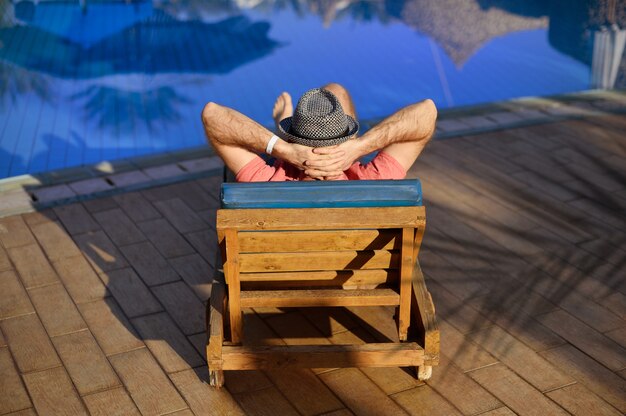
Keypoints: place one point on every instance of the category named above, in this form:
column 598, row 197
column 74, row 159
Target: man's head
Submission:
column 318, row 121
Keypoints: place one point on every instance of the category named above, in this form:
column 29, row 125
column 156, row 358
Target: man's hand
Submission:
column 302, row 156
column 297, row 155
column 332, row 161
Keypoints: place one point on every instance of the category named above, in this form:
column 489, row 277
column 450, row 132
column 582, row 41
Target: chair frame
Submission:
column 249, row 259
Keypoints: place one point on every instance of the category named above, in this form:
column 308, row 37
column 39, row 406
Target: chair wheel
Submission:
column 424, row 372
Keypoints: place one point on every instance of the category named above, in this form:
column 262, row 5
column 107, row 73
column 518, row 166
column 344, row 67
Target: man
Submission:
column 319, row 141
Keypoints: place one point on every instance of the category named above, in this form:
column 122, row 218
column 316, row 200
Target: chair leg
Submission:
column 216, row 335
column 406, row 271
column 231, row 269
column 424, row 372
column 216, row 378
column 424, row 320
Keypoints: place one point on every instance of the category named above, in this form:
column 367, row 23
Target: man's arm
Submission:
column 237, row 139
column 402, row 135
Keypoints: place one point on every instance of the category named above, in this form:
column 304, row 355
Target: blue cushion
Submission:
column 322, row 194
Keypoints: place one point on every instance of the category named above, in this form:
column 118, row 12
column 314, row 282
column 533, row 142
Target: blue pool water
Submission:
column 79, row 85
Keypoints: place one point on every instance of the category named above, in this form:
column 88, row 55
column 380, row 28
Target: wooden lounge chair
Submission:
column 311, row 244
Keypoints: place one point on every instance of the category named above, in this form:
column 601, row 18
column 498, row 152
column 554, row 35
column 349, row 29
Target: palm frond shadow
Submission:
column 561, row 254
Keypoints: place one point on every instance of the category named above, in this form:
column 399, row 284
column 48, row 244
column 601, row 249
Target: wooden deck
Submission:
column 102, row 302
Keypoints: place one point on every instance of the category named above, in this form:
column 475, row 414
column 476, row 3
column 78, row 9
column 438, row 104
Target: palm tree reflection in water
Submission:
column 16, row 82
column 114, row 108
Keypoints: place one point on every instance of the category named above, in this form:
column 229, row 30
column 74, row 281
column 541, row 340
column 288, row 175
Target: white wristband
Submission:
column 270, row 144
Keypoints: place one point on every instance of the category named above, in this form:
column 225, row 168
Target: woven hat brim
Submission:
column 285, row 125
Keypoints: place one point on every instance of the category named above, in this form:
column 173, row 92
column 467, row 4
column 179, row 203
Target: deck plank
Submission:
column 593, row 343
column 14, row 300
column 579, row 401
column 32, row 266
column 114, row 402
column 130, row 292
column 590, row 373
column 5, row 263
column 85, row 362
column 53, row 394
column 54, row 240
column 180, row 215
column 183, row 306
column 31, row 348
column 167, row 343
column 520, row 358
column 149, row 263
column 56, row 310
column 100, row 251
column 200, row 396
column 165, row 238
column 266, row 402
column 76, row 219
column 370, row 400
column 424, row 401
column 110, row 326
column 514, row 392
column 14, row 232
column 149, row 387
column 136, row 206
column 196, row 272
column 80, row 280
column 459, row 389
column 119, row 227
column 13, row 396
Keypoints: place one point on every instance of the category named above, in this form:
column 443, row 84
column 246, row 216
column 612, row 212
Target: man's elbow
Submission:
column 430, row 109
column 210, row 112
column 428, row 116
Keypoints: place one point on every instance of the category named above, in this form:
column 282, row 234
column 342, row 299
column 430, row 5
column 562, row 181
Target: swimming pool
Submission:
column 107, row 80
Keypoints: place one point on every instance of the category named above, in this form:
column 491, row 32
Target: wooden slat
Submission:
column 298, row 241
column 338, row 260
column 371, row 276
column 347, row 279
column 328, row 218
column 302, row 298
column 311, row 356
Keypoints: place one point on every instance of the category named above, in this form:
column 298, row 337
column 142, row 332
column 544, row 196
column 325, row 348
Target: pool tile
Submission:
column 163, row 172
column 53, row 193
column 203, row 164
column 90, row 186
column 129, row 178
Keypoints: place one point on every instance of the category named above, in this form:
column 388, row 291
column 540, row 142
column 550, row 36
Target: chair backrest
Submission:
column 334, row 234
